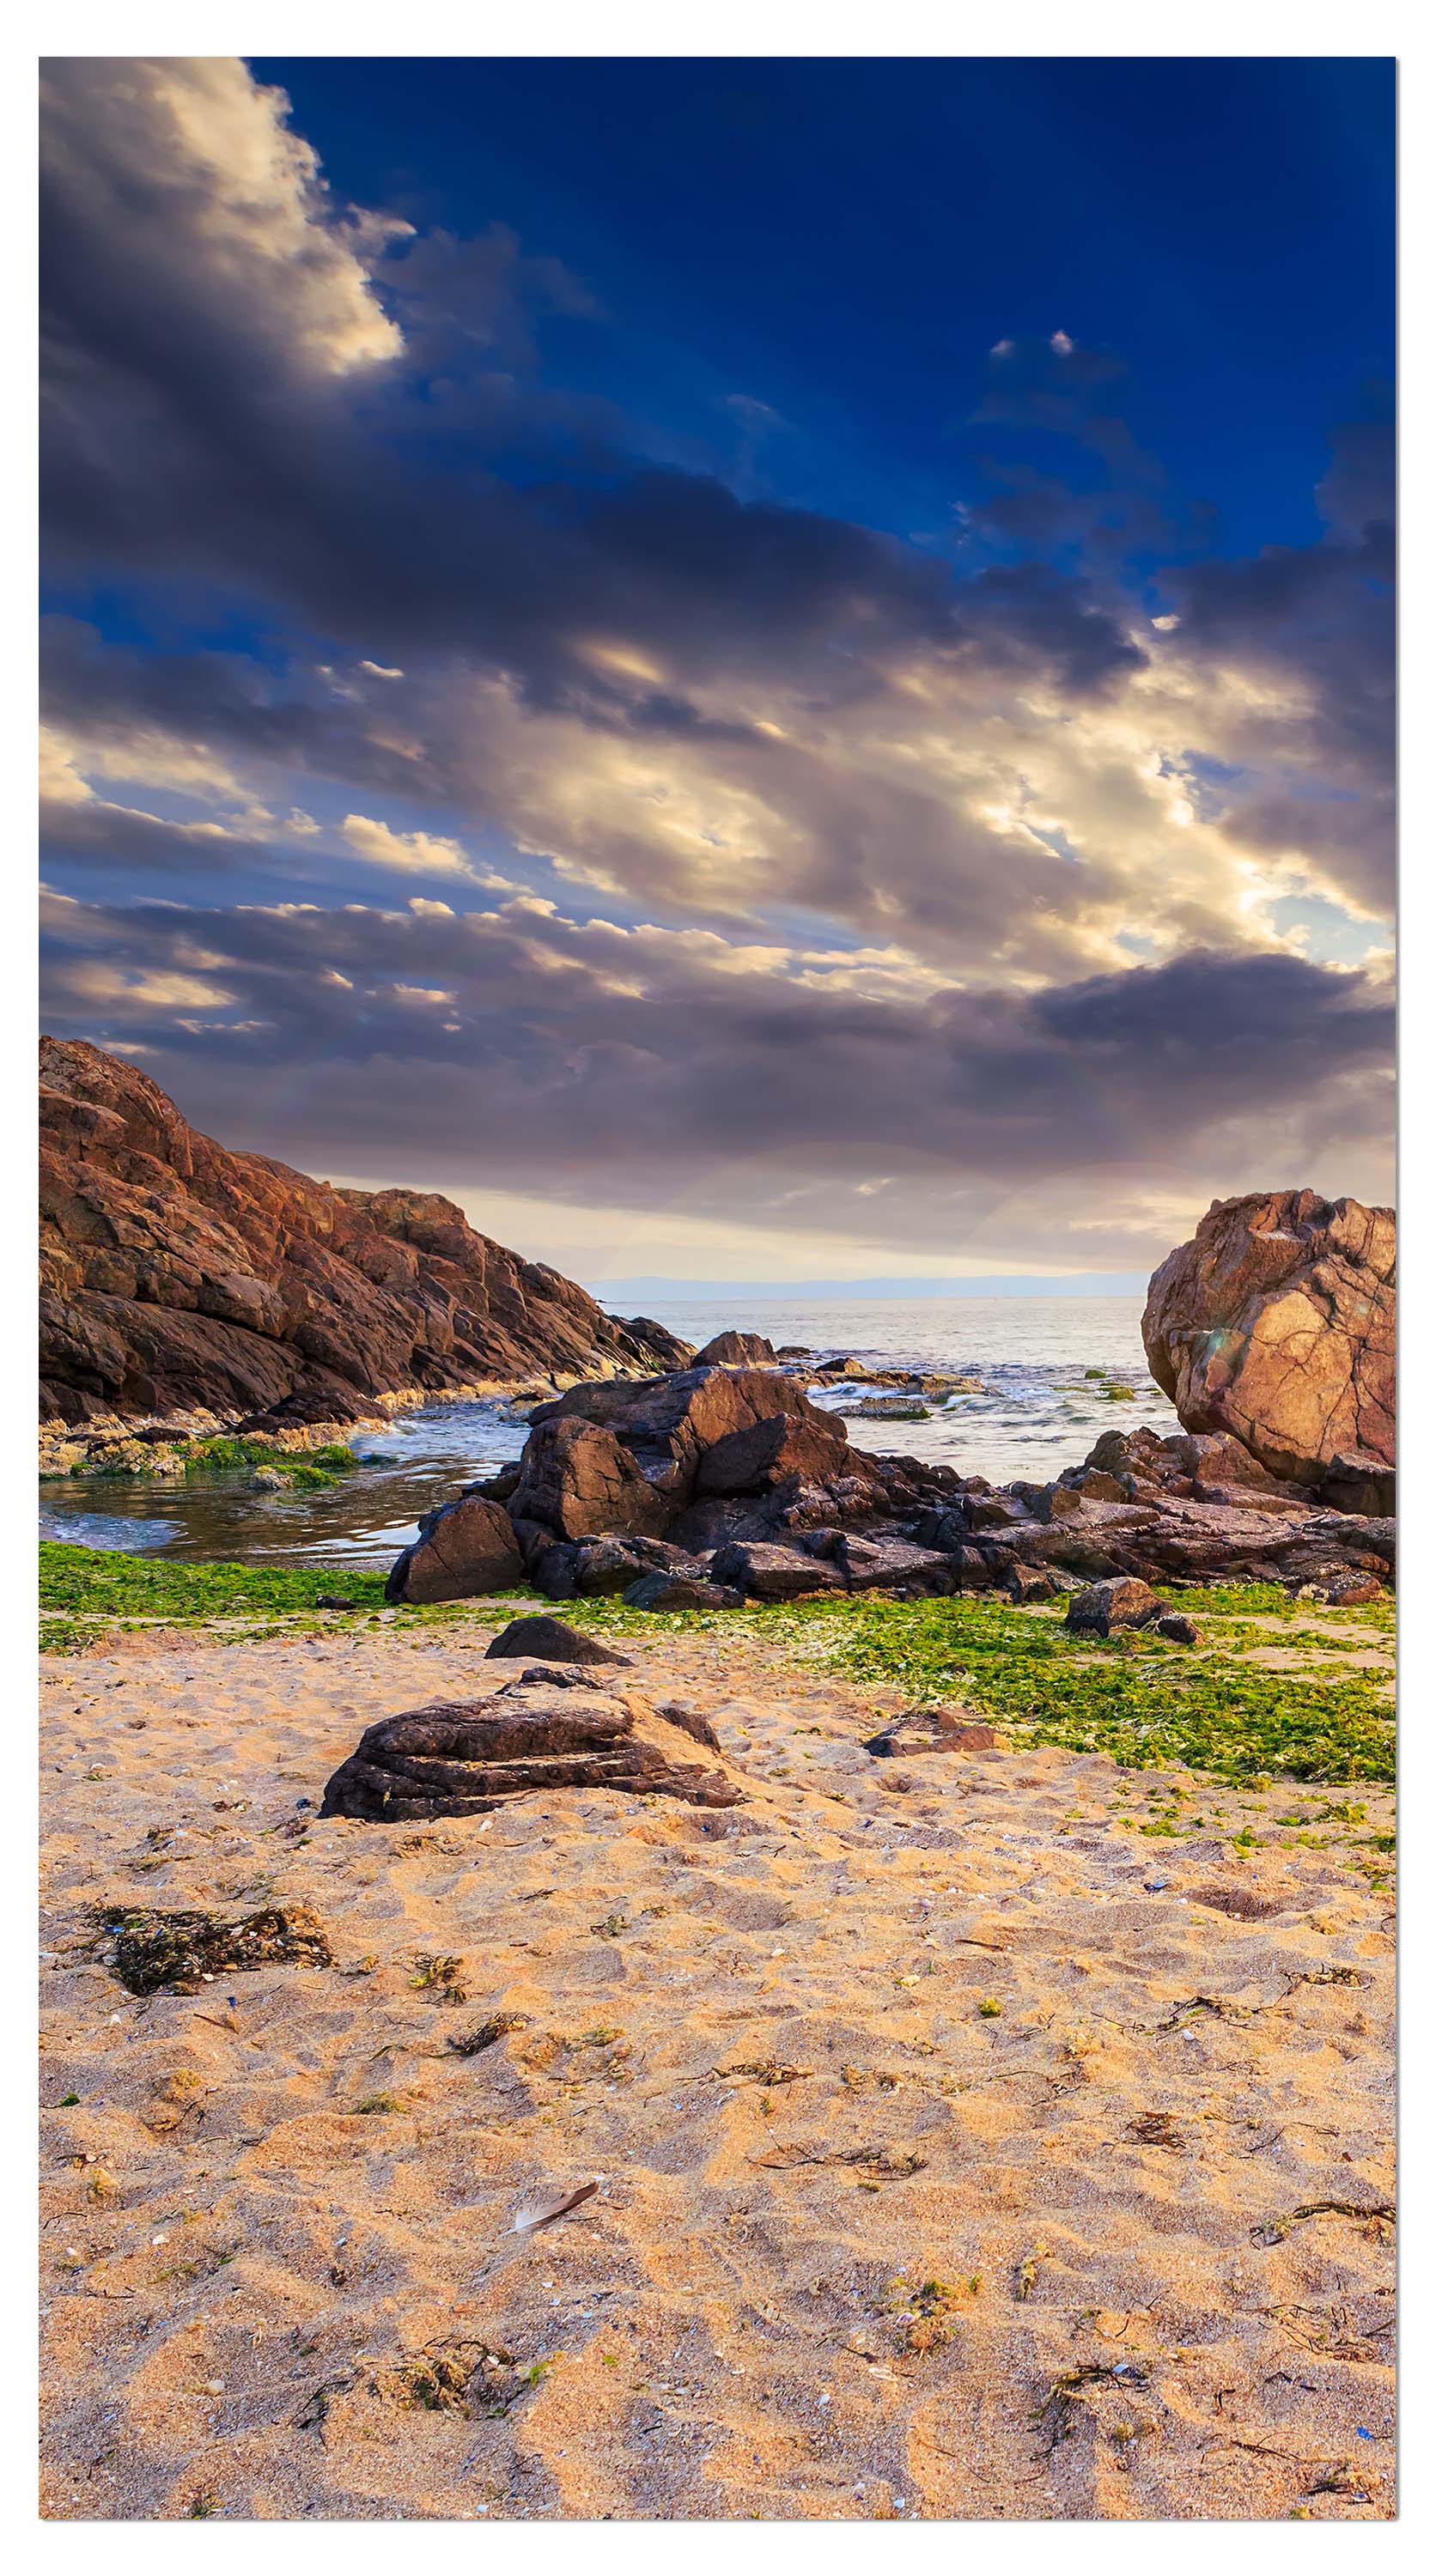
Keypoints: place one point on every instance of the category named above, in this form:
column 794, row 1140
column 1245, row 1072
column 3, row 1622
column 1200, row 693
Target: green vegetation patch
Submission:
column 1131, row 1696
column 103, row 1583
column 226, row 1455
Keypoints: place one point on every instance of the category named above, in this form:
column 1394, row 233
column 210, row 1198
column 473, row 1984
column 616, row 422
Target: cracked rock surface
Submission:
column 1277, row 1323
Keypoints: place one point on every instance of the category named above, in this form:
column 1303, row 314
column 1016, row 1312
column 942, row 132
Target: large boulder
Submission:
column 737, row 1350
column 629, row 1460
column 578, row 1480
column 1277, row 1323
column 467, row 1548
column 773, row 1573
column 461, row 1758
column 1122, row 1602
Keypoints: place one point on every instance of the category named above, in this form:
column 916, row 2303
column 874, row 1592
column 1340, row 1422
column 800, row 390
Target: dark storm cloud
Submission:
column 515, row 1043
column 104, row 835
column 194, row 431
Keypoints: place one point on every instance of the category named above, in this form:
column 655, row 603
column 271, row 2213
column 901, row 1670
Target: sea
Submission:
column 1038, row 1411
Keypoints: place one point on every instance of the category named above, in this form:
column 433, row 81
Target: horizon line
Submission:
column 1075, row 1283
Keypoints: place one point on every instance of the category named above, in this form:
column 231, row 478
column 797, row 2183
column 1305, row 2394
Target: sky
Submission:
column 760, row 670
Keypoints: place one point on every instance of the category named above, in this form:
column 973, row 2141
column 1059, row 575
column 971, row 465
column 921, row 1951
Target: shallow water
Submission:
column 1037, row 1414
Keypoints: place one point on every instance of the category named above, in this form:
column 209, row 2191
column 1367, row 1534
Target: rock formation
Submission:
column 551, row 1641
column 549, row 1729
column 179, row 1277
column 1277, row 1324
column 736, row 1350
column 717, row 1485
column 464, row 1548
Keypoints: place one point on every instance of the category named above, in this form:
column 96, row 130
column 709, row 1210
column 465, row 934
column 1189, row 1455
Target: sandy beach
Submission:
column 962, row 2150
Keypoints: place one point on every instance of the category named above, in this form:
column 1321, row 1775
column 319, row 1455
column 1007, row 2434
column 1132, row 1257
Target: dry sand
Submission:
column 860, row 2248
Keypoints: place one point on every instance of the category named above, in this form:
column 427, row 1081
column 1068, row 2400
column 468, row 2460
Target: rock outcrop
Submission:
column 463, row 1549
column 1277, row 1324
column 178, row 1277
column 719, row 1485
column 564, row 1730
column 736, row 1350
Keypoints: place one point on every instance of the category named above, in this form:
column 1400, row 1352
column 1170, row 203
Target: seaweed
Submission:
column 180, row 1951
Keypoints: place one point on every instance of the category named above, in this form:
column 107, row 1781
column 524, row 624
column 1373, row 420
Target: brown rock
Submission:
column 1029, row 1583
column 1123, row 1601
column 930, row 1730
column 762, row 1454
column 467, row 1548
column 681, row 1592
column 552, row 1641
column 1179, row 1629
column 1357, row 1483
column 1277, row 1323
column 177, row 1275
column 581, row 1482
column 773, row 1573
column 876, row 1562
column 736, row 1350
column 459, row 1758
column 630, row 1459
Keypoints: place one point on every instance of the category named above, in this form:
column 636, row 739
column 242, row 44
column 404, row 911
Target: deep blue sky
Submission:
column 759, row 669
column 847, row 239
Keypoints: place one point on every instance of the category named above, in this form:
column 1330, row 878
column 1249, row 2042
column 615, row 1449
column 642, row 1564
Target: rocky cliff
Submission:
column 178, row 1276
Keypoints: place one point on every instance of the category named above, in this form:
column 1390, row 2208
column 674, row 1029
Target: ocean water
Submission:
column 1036, row 1414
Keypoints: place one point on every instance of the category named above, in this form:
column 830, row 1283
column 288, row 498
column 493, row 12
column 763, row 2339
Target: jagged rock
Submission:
column 177, row 1276
column 466, row 1548
column 930, row 1730
column 579, row 1481
column 681, row 1592
column 1352, row 1593
column 736, row 1350
column 765, row 1453
column 606, row 1566
column 668, row 1350
column 1029, row 1583
column 996, row 1511
column 1182, row 1631
column 654, row 1459
column 1277, row 1323
column 1123, row 1601
column 773, row 1573
column 552, row 1641
column 1360, row 1484
column 876, row 1562
column 459, row 1758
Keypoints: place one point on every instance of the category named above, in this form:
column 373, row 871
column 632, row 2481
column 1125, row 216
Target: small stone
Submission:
column 1119, row 1601
column 552, row 1641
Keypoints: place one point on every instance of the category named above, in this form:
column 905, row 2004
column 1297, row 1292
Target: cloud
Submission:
column 418, row 853
column 784, row 1082
column 220, row 225
column 997, row 871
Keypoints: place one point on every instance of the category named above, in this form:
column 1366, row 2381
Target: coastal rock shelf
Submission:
column 178, row 1278
column 716, row 1484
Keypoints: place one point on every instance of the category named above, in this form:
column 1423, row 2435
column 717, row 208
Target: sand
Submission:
column 862, row 2247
